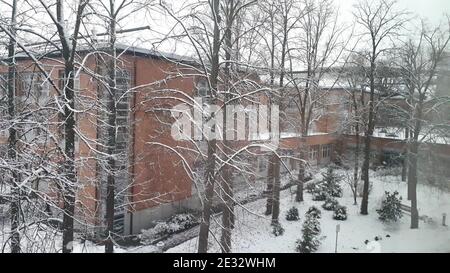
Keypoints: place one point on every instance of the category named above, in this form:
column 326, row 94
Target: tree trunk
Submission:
column 368, row 134
column 356, row 167
column 211, row 158
column 12, row 139
column 227, row 186
column 69, row 149
column 301, row 175
column 207, row 204
column 111, row 138
column 405, row 158
column 412, row 181
column 269, row 189
column 276, row 192
column 365, row 176
column 227, row 215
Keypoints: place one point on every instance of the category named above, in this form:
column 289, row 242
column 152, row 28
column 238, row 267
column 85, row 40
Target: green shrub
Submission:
column 330, row 203
column 340, row 213
column 390, row 210
column 292, row 214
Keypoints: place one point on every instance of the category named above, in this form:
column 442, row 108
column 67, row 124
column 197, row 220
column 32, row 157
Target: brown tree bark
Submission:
column 111, row 133
column 212, row 144
column 12, row 139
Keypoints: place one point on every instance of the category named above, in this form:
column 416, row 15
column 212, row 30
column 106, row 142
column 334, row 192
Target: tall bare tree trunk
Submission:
column 368, row 135
column 111, row 131
column 301, row 173
column 276, row 160
column 270, row 162
column 227, row 186
column 269, row 189
column 68, row 51
column 405, row 159
column 12, row 149
column 413, row 157
column 211, row 157
column 276, row 192
column 356, row 166
column 412, row 181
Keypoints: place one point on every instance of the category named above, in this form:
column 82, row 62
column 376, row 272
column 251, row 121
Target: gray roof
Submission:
column 41, row 51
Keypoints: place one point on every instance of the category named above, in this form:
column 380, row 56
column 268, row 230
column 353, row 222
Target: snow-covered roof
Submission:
column 41, row 51
column 399, row 134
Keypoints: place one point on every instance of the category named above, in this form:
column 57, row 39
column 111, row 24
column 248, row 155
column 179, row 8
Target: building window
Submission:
column 62, row 81
column 326, row 151
column 34, row 85
column 201, row 88
column 314, row 152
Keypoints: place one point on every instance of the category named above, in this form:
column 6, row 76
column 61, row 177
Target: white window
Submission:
column 202, row 88
column 62, row 81
column 314, row 152
column 34, row 85
column 326, row 151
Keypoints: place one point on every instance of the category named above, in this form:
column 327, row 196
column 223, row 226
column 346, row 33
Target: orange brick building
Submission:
column 155, row 179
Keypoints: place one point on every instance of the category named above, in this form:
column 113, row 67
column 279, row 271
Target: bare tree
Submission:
column 320, row 46
column 355, row 75
column 12, row 140
column 381, row 22
column 279, row 23
column 419, row 64
column 69, row 41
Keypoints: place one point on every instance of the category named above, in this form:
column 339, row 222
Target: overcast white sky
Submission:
column 431, row 9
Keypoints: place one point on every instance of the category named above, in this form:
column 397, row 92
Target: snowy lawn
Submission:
column 253, row 232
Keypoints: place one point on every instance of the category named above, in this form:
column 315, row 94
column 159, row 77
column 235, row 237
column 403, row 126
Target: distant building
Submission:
column 152, row 181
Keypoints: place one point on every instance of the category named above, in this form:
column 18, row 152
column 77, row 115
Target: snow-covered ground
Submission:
column 253, row 231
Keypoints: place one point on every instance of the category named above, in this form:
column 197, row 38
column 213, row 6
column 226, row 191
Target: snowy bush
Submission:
column 330, row 185
column 390, row 207
column 292, row 214
column 310, row 241
column 330, row 203
column 319, row 196
column 319, row 191
column 313, row 211
column 308, row 176
column 310, row 187
column 340, row 213
column 277, row 229
column 175, row 224
column 331, row 182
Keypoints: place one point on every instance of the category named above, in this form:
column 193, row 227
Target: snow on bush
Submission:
column 310, row 241
column 330, row 185
column 340, row 213
column 175, row 224
column 314, row 212
column 330, row 203
column 310, row 187
column 320, row 192
column 332, row 182
column 390, row 210
column 277, row 229
column 292, row 214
